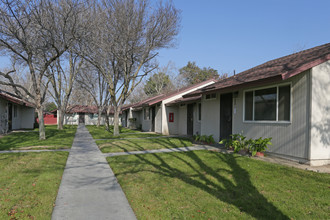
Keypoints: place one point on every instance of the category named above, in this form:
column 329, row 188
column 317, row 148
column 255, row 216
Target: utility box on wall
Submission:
column 171, row 117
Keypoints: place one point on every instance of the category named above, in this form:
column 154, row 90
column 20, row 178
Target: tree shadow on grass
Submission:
column 236, row 190
column 149, row 144
column 27, row 139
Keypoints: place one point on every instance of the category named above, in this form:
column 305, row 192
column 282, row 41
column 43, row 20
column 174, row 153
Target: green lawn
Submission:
column 55, row 139
column 211, row 185
column 29, row 183
column 109, row 146
column 102, row 133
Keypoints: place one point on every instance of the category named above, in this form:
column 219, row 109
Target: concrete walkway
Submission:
column 169, row 150
column 89, row 189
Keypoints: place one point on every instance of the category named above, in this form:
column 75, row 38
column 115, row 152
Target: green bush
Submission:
column 259, row 145
column 239, row 142
column 204, row 138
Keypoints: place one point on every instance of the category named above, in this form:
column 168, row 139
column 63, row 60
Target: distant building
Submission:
column 87, row 115
column 15, row 113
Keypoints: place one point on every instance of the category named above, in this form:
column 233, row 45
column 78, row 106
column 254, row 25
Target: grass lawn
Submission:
column 29, row 184
column 110, row 146
column 102, row 133
column 211, row 185
column 55, row 139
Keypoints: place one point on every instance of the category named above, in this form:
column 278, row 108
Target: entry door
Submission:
column 190, row 119
column 153, row 115
column 226, row 111
column 10, row 116
column 82, row 118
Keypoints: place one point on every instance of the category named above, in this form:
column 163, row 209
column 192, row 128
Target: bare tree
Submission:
column 35, row 34
column 93, row 82
column 137, row 95
column 62, row 81
column 125, row 41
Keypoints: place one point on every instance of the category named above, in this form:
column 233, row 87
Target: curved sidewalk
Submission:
column 89, row 189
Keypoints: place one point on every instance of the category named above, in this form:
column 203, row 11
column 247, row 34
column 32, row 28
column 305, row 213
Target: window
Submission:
column 146, row 113
column 270, row 104
column 199, row 111
column 15, row 111
column 210, row 96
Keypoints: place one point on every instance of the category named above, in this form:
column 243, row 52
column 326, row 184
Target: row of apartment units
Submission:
column 287, row 99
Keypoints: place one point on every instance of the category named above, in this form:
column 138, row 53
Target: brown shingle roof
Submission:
column 146, row 101
column 14, row 99
column 182, row 90
column 277, row 69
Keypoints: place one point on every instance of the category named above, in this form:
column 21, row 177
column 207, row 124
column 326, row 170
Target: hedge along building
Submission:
column 15, row 113
column 156, row 115
column 287, row 99
column 88, row 115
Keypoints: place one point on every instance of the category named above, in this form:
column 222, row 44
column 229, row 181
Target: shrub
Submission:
column 210, row 139
column 259, row 145
column 204, row 138
column 239, row 142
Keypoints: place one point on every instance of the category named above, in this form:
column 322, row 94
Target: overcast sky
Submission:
column 238, row 35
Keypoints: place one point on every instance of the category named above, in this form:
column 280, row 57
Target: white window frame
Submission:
column 277, row 103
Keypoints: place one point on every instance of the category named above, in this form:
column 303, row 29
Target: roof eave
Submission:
column 305, row 67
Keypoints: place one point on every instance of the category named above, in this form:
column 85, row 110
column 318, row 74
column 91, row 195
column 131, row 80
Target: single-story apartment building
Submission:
column 15, row 113
column 88, row 115
column 155, row 113
column 287, row 99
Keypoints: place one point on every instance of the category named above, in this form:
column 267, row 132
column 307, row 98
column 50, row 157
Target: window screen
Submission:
column 265, row 104
column 284, row 101
column 248, row 106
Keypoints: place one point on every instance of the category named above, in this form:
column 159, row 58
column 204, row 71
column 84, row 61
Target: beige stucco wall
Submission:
column 26, row 117
column 288, row 138
column 172, row 127
column 182, row 119
column 320, row 114
column 210, row 124
column 158, row 119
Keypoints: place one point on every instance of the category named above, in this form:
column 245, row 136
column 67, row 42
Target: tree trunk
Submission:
column 60, row 119
column 42, row 133
column 116, row 122
column 99, row 116
column 107, row 123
